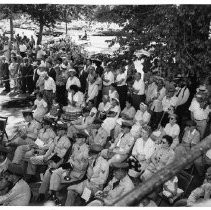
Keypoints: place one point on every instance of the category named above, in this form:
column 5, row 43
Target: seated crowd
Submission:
column 96, row 134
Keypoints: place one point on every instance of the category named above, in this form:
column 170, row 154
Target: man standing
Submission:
column 20, row 193
column 49, row 90
column 5, row 74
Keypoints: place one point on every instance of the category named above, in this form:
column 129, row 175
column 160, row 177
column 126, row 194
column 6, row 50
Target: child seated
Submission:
column 171, row 190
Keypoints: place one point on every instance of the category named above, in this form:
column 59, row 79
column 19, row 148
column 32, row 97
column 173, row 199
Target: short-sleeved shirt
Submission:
column 120, row 77
column 169, row 102
column 198, row 112
column 172, row 130
column 73, row 81
column 129, row 112
column 108, row 76
column 140, row 86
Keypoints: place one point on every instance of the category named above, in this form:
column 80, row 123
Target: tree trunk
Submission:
column 39, row 39
column 66, row 26
column 11, row 26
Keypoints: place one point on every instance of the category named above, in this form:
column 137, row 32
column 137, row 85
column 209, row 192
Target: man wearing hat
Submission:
column 20, row 193
column 84, row 74
column 82, row 124
column 44, row 141
column 41, row 74
column 120, row 149
column 199, row 113
column 28, row 133
column 61, row 80
column 169, row 103
column 40, row 53
column 26, row 71
column 51, row 70
column 108, row 124
column 97, row 175
column 5, row 74
column 49, row 90
column 116, row 188
column 182, row 95
column 73, row 170
column 138, row 90
column 4, row 161
column 59, row 147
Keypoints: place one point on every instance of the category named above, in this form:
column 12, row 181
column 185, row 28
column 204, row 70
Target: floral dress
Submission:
column 40, row 110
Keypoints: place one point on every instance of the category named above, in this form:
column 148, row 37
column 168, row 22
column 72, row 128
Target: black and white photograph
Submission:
column 105, row 104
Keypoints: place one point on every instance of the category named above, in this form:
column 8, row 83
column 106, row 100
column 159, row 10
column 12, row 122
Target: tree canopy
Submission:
column 179, row 35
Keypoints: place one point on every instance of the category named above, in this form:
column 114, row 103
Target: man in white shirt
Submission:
column 199, row 114
column 121, row 86
column 182, row 95
column 120, row 149
column 23, row 49
column 49, row 90
column 72, row 80
column 92, row 90
column 169, row 103
column 108, row 79
column 40, row 53
column 138, row 90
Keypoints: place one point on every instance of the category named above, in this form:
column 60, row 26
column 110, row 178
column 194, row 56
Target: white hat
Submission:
column 143, row 104
column 202, row 88
column 63, row 66
column 42, row 65
column 115, row 99
column 71, row 70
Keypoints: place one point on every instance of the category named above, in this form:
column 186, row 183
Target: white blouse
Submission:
column 140, row 86
column 146, row 149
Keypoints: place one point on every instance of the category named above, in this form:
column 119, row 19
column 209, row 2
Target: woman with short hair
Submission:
column 162, row 157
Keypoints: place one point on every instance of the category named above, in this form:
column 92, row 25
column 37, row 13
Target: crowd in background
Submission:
column 98, row 130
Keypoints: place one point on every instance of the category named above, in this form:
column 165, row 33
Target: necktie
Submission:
column 94, row 163
column 116, row 184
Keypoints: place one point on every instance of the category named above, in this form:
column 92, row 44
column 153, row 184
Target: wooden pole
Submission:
column 134, row 197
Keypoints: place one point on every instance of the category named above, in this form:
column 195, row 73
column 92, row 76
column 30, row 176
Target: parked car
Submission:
column 8, row 32
column 50, row 33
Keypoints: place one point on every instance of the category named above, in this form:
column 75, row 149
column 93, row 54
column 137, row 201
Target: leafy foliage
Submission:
column 70, row 12
column 169, row 31
column 43, row 14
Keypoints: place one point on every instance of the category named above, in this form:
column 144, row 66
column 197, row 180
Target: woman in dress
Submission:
column 40, row 107
column 162, row 157
column 13, row 68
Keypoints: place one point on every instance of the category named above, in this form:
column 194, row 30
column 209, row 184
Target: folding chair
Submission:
column 3, row 123
column 184, row 181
